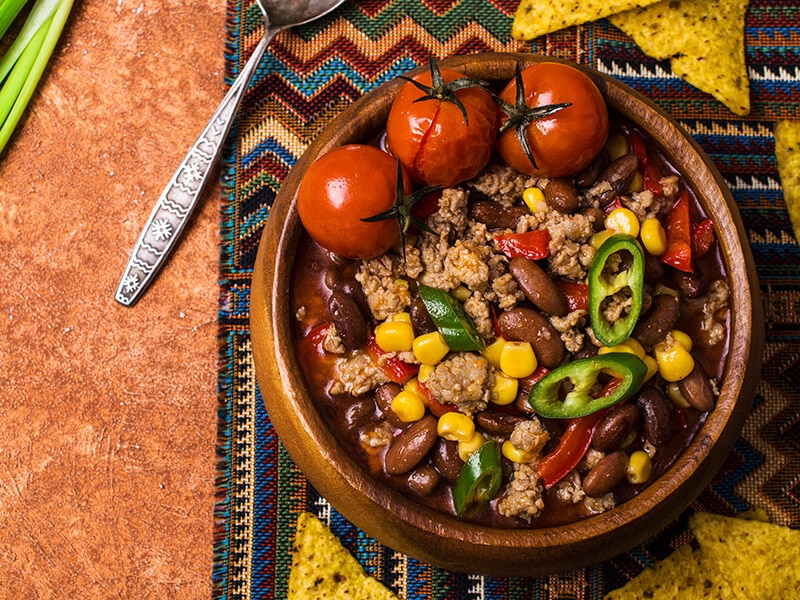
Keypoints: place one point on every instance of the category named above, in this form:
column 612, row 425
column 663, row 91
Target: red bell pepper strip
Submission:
column 679, row 236
column 570, row 450
column 650, row 172
column 615, row 203
column 533, row 245
column 437, row 408
column 576, row 293
column 702, row 237
column 314, row 339
column 395, row 369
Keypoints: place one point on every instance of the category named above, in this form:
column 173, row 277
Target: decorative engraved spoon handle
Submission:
column 177, row 201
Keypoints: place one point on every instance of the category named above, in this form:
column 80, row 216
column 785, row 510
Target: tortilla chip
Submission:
column 787, row 151
column 759, row 560
column 704, row 40
column 323, row 568
column 538, row 17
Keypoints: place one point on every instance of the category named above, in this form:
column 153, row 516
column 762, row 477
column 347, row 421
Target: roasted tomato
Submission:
column 563, row 116
column 345, row 186
column 442, row 127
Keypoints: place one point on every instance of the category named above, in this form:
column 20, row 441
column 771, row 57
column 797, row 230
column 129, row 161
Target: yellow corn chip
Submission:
column 760, row 561
column 539, row 17
column 323, row 568
column 787, row 151
column 704, row 40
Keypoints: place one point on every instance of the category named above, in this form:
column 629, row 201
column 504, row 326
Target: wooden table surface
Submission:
column 107, row 442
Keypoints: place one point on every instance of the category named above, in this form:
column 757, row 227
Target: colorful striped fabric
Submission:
column 306, row 78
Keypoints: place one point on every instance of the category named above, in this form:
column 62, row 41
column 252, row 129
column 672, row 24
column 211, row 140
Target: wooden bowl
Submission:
column 405, row 525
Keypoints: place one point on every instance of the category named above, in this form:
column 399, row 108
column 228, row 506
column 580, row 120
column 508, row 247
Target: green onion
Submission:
column 23, row 64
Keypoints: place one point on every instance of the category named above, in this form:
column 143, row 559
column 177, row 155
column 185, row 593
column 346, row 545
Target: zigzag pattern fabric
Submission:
column 306, row 78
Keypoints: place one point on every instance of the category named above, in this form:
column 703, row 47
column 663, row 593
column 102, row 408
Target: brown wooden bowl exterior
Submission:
column 447, row 542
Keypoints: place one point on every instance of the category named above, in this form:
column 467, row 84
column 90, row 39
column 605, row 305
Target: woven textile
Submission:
column 306, row 78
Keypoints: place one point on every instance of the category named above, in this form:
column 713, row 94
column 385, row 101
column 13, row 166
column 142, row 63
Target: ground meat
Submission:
column 506, row 291
column 464, row 379
column 570, row 327
column 451, row 219
column 670, row 183
column 356, row 375
column 570, row 489
column 386, row 291
column 478, row 308
column 502, row 184
column 380, row 435
column 616, row 306
column 530, row 436
column 466, row 263
column 643, row 204
column 601, row 504
column 589, row 460
column 523, row 497
column 570, row 251
column 713, row 303
column 333, row 342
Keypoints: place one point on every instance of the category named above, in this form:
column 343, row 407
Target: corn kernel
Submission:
column 674, row 361
column 412, row 385
column 630, row 346
column 395, row 336
column 653, row 236
column 640, row 467
column 652, row 367
column 533, row 198
column 430, row 348
column 622, row 220
column 599, row 238
column 402, row 317
column 424, row 372
column 408, row 406
column 682, row 338
column 676, row 396
column 616, row 146
column 514, row 454
column 456, row 427
column 492, row 352
column 505, row 389
column 465, row 449
column 401, row 282
column 517, row 359
column 461, row 293
column 637, row 183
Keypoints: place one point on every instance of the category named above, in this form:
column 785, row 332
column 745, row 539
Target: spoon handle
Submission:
column 176, row 203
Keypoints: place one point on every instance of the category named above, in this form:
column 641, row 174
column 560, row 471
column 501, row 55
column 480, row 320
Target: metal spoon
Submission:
column 175, row 205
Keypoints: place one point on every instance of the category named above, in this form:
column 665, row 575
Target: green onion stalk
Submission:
column 23, row 64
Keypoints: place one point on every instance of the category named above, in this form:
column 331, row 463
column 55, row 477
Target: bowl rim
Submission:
column 685, row 479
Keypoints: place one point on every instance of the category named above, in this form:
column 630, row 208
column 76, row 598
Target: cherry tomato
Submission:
column 343, row 187
column 566, row 141
column 431, row 137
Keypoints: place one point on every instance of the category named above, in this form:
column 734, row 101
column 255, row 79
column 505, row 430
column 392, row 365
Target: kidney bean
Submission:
column 423, row 480
column 587, row 177
column 351, row 287
column 618, row 174
column 561, row 195
column 446, row 459
column 656, row 415
column 383, row 398
column 653, row 269
column 691, row 285
column 358, row 413
column 522, row 404
column 497, row 423
column 349, row 320
column 538, row 287
column 411, row 446
column 696, row 388
column 420, row 319
column 588, row 350
column 606, row 474
column 527, row 325
column 615, row 427
column 495, row 215
column 658, row 321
